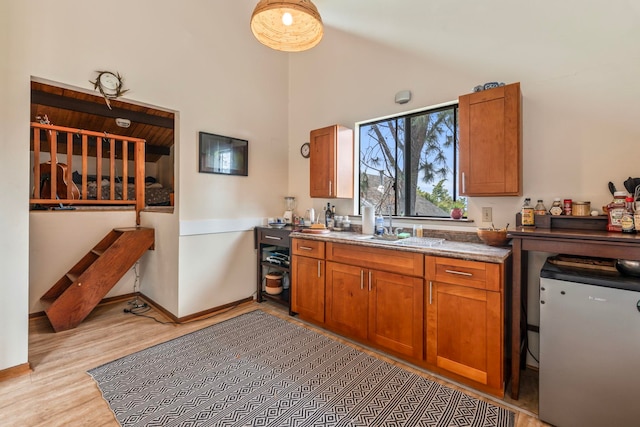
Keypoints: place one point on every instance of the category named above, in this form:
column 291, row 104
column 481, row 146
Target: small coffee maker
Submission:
column 290, row 205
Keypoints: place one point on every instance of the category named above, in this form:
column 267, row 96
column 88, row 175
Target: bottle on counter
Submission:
column 556, row 207
column 539, row 208
column 379, row 225
column 527, row 211
column 627, row 220
column 615, row 210
column 327, row 216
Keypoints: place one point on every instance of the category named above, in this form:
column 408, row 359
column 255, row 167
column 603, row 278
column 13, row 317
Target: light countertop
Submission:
column 426, row 245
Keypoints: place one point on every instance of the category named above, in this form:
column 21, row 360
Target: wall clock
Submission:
column 109, row 85
column 305, row 150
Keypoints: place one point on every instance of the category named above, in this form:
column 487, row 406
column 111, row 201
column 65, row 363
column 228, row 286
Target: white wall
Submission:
column 14, row 189
column 159, row 271
column 199, row 60
column 577, row 136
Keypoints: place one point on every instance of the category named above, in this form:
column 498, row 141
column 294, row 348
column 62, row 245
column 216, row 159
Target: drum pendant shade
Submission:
column 268, row 24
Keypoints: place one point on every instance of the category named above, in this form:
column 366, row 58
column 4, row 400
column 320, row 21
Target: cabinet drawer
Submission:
column 474, row 274
column 393, row 261
column 308, row 248
column 274, row 236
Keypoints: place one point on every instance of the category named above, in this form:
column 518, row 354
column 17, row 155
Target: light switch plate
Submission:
column 487, row 214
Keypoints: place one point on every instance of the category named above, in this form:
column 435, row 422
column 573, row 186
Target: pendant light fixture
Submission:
column 290, row 26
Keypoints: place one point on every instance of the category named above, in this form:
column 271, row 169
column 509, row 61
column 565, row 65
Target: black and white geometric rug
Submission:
column 259, row 370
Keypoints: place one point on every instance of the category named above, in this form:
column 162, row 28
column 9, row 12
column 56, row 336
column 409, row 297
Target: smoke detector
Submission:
column 123, row 123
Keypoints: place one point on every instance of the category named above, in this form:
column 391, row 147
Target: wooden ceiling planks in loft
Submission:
column 79, row 110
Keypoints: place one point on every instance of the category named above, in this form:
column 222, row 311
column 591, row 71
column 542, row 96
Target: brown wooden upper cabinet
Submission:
column 491, row 142
column 331, row 162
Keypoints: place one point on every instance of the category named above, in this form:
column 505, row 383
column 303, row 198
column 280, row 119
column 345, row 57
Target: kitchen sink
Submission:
column 422, row 242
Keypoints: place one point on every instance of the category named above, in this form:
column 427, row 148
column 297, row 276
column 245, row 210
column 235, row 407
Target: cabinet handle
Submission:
column 369, row 280
column 430, row 292
column 460, row 273
column 319, row 269
column 361, row 279
column 273, row 237
column 464, row 187
column 305, row 248
column 330, row 188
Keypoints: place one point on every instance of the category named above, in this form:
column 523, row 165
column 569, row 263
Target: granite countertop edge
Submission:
column 448, row 248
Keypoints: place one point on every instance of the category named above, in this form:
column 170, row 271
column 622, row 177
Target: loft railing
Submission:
column 55, row 186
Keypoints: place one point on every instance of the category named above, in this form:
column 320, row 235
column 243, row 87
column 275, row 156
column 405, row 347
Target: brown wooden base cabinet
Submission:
column 452, row 322
column 465, row 323
column 382, row 308
column 308, row 274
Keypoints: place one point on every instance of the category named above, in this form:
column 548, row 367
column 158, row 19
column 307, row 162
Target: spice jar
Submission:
column 568, row 204
column 556, row 208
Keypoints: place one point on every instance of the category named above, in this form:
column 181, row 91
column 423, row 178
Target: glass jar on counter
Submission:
column 539, row 209
column 527, row 213
column 556, row 207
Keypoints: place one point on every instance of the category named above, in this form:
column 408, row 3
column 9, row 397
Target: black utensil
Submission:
column 612, row 187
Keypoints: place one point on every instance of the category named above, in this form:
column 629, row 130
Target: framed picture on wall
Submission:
column 223, row 154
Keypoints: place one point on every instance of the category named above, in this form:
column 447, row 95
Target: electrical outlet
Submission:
column 486, row 214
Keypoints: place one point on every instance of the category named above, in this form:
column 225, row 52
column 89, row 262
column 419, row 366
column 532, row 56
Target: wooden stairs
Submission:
column 72, row 298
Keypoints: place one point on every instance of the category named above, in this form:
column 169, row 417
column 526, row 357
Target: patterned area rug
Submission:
column 260, row 370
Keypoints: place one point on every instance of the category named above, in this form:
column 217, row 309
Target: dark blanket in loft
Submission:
column 154, row 196
column 77, row 178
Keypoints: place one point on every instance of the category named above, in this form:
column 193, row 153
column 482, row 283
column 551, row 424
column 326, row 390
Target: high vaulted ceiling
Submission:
column 80, row 110
column 585, row 52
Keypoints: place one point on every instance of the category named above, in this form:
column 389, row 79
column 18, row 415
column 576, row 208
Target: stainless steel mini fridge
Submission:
column 589, row 348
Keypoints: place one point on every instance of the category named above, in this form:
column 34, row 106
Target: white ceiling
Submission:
column 562, row 46
column 550, row 38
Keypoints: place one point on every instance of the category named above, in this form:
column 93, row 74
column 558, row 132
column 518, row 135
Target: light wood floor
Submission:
column 59, row 392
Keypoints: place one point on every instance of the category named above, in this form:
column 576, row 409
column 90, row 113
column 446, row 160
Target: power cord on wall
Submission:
column 143, row 308
column 526, row 322
column 136, row 289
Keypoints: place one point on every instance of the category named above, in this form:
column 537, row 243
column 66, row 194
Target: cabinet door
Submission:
column 490, row 142
column 396, row 314
column 464, row 330
column 307, row 288
column 347, row 299
column 321, row 162
column 331, row 162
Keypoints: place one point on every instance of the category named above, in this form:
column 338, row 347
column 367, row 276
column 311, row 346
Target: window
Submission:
column 408, row 163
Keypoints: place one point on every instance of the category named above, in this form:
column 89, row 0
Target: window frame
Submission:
column 357, row 208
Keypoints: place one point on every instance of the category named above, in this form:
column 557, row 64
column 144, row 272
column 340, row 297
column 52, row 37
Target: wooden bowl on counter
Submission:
column 493, row 237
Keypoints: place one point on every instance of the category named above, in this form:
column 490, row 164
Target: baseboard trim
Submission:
column 15, row 371
column 104, row 301
column 196, row 316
